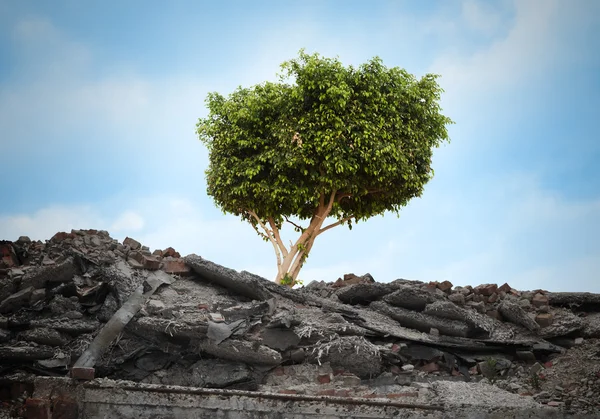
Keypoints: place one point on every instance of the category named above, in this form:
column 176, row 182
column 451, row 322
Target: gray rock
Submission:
column 457, row 298
column 243, row 283
column 280, row 339
column 422, row 322
column 4, row 336
column 563, row 324
column 479, row 325
column 591, row 326
column 350, row 353
column 51, row 274
column 411, row 297
column 25, row 353
column 215, row 373
column 16, row 300
column 515, row 314
column 363, row 293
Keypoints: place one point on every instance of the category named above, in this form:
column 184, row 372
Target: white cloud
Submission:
column 129, row 220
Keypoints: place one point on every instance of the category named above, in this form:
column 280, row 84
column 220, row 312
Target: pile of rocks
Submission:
column 188, row 321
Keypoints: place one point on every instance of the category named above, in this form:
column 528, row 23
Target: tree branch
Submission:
column 337, row 223
column 294, row 224
column 269, row 236
column 275, row 231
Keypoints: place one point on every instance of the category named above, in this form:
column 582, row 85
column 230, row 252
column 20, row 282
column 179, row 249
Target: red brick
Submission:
column 323, row 379
column 65, row 408
column 486, row 289
column 37, row 409
column 402, row 395
column 504, row 288
column 492, row 298
column 82, row 373
column 539, row 300
column 169, row 251
column 279, row 371
column 548, row 364
column 288, row 392
column 445, row 286
column 176, row 267
column 544, row 319
column 203, row 307
column 327, row 392
column 60, row 236
column 132, row 243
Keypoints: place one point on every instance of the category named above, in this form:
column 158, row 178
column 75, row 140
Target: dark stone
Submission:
column 16, row 301
column 243, row 283
column 72, row 327
column 581, row 301
column 280, row 339
column 49, row 275
column 153, row 361
column 25, row 353
column 363, row 293
column 215, row 373
column 411, row 297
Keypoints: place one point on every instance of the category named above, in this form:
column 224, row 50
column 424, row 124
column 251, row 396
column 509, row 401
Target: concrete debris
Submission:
column 85, row 305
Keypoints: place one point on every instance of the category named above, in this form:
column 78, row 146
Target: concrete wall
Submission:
column 66, row 399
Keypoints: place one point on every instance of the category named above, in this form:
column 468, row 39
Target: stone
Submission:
column 434, row 332
column 536, row 368
column 411, row 297
column 493, row 298
column 16, row 300
column 243, row 283
column 526, row 356
column 44, row 336
column 408, row 367
column 280, row 339
column 584, row 301
column 37, row 295
column 515, row 314
column 539, row 300
column 458, row 299
column 154, row 307
column 477, row 306
column 363, row 293
column 578, row 341
column 544, row 319
column 25, row 353
column 23, row 240
column 350, row 353
column 494, row 314
column 133, row 244
column 485, row 289
column 49, row 275
column 430, row 367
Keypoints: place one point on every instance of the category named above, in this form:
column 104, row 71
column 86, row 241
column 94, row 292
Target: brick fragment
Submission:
column 82, row 373
column 176, row 267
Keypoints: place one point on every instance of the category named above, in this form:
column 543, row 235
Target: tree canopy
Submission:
column 326, row 140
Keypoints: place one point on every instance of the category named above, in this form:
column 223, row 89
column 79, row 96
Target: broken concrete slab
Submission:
column 72, row 327
column 562, row 323
column 241, row 351
column 25, row 353
column 584, row 301
column 49, row 275
column 44, row 336
column 363, row 293
column 17, row 300
column 280, row 339
column 422, row 322
column 349, row 353
column 411, row 298
column 515, row 314
column 242, row 283
column 117, row 323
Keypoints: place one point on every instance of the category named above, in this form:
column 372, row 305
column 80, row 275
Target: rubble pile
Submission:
column 85, row 305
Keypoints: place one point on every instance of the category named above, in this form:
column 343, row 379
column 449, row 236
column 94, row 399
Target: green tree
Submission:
column 325, row 141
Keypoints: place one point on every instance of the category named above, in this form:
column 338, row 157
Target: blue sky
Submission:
column 99, row 100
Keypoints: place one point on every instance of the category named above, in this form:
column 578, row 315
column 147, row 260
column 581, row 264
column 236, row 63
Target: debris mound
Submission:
column 84, row 305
